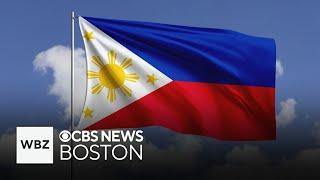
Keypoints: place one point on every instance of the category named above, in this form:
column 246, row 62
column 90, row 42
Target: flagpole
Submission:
column 72, row 67
column 72, row 87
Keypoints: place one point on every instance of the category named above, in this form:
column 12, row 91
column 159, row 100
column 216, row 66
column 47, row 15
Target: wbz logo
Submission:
column 37, row 144
column 34, row 145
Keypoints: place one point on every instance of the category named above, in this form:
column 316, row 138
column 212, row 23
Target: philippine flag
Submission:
column 210, row 82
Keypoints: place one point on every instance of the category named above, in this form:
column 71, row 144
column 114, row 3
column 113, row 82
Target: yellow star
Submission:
column 88, row 35
column 152, row 79
column 88, row 113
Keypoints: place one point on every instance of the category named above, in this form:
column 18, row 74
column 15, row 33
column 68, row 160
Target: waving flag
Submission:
column 210, row 82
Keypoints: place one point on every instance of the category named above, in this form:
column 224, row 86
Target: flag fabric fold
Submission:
column 202, row 81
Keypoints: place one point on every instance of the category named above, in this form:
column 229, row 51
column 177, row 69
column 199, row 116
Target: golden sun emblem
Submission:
column 112, row 76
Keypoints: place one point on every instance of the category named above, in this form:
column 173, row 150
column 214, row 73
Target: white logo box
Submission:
column 34, row 145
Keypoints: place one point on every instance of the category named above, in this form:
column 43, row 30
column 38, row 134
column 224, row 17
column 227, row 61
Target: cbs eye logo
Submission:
column 65, row 136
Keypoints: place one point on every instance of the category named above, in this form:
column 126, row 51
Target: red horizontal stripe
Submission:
column 229, row 112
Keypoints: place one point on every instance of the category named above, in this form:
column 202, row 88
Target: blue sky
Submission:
column 30, row 27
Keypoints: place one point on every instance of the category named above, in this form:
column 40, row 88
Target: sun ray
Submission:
column 127, row 62
column 92, row 74
column 97, row 61
column 133, row 77
column 112, row 76
column 111, row 95
column 96, row 89
column 126, row 91
column 112, row 57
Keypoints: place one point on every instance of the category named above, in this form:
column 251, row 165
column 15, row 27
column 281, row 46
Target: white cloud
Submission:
column 287, row 112
column 247, row 155
column 181, row 155
column 279, row 68
column 57, row 59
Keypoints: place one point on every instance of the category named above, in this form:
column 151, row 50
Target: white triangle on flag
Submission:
column 140, row 78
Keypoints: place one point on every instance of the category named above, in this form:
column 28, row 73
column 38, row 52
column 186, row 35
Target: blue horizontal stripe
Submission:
column 197, row 54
